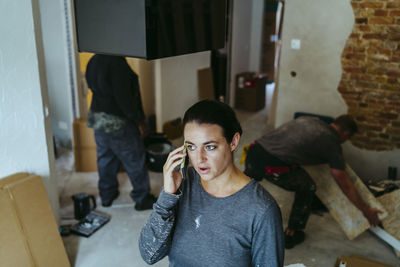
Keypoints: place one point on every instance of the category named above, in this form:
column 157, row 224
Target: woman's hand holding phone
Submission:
column 172, row 178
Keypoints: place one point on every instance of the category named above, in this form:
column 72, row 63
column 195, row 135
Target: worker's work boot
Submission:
column 295, row 239
column 108, row 202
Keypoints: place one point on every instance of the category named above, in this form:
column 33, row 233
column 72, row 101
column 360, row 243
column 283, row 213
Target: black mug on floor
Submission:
column 82, row 205
column 392, row 173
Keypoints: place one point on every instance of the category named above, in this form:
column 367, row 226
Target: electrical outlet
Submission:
column 295, row 44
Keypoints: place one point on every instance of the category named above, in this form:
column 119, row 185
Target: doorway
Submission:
column 253, row 45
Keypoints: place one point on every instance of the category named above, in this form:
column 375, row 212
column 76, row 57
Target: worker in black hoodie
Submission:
column 116, row 115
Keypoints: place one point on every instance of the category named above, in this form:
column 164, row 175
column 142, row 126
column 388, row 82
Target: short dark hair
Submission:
column 214, row 112
column 346, row 123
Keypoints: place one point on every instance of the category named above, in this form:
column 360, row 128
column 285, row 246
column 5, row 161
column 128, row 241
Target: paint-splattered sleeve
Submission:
column 155, row 237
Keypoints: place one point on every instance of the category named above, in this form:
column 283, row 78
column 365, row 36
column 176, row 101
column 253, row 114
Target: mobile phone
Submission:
column 185, row 162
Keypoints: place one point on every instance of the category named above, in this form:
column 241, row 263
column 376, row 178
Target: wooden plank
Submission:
column 391, row 223
column 351, row 220
column 205, row 84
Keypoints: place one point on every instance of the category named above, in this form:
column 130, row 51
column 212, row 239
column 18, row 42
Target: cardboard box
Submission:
column 84, row 147
column 83, row 135
column 205, row 84
column 85, row 159
column 28, row 231
column 250, row 91
column 358, row 261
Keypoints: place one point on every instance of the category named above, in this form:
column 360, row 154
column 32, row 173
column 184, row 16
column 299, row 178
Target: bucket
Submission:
column 157, row 150
column 157, row 155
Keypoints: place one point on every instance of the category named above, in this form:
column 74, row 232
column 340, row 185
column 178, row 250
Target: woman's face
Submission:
column 208, row 150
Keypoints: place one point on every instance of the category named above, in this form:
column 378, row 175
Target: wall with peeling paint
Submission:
column 323, row 27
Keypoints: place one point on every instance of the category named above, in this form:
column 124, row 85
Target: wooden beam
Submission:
column 350, row 218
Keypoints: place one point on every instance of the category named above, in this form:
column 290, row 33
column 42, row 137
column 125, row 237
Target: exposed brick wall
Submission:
column 370, row 82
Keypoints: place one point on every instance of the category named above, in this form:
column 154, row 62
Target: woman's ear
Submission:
column 235, row 141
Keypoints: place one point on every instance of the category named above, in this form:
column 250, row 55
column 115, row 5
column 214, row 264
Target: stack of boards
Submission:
column 351, row 220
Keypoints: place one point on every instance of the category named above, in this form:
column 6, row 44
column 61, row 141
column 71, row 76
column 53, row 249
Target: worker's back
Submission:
column 110, row 79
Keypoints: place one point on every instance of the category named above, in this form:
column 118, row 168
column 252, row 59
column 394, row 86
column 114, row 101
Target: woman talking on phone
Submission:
column 213, row 214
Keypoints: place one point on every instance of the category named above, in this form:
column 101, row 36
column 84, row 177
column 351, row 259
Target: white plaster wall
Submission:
column 240, row 42
column 323, row 34
column 176, row 87
column 247, row 21
column 371, row 165
column 257, row 13
column 25, row 132
column 57, row 70
column 323, row 27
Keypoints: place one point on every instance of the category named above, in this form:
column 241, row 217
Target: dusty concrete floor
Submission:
column 115, row 244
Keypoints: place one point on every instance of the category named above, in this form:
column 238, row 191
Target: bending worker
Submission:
column 277, row 155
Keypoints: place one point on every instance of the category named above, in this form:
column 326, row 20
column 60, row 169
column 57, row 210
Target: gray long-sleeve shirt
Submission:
column 197, row 229
column 305, row 141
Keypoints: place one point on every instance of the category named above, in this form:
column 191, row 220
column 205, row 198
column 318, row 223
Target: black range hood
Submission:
column 150, row 29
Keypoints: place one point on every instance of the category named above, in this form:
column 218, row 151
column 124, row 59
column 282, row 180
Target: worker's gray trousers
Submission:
column 300, row 182
column 296, row 180
column 124, row 146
